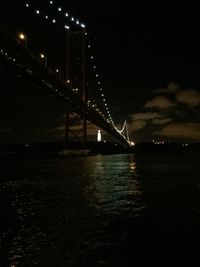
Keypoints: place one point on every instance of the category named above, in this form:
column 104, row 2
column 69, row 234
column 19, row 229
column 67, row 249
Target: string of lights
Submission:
column 68, row 16
column 82, row 25
column 69, row 19
column 76, row 22
column 99, row 86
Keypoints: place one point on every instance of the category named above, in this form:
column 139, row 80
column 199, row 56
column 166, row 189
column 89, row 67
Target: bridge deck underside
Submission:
column 17, row 58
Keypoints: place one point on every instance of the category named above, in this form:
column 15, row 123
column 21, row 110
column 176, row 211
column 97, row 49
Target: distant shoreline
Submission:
column 55, row 149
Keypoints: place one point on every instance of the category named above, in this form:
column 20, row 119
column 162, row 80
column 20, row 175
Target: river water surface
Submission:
column 103, row 210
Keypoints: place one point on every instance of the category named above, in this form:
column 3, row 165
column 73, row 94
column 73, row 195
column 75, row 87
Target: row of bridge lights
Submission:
column 43, row 57
column 66, row 26
column 47, row 84
column 100, row 88
column 76, row 21
column 22, row 37
column 82, row 25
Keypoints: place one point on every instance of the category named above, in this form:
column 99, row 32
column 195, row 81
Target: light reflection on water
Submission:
column 56, row 207
column 99, row 211
column 112, row 183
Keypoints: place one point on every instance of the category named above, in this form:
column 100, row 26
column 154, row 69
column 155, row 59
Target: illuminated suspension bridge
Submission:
column 69, row 85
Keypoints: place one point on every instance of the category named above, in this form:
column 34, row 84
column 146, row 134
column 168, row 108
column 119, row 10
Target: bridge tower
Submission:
column 75, row 78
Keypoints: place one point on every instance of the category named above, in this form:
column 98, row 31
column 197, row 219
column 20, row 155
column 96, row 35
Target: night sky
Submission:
column 148, row 61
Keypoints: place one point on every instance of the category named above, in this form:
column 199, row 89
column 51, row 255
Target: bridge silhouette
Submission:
column 70, row 84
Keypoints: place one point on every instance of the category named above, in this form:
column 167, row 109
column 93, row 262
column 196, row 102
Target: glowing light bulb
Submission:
column 22, row 36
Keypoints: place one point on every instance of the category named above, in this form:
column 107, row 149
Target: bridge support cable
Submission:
column 30, row 67
column 74, row 23
column 103, row 103
column 123, row 128
column 127, row 134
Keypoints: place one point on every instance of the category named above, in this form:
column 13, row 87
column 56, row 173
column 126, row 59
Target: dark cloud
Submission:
column 172, row 88
column 176, row 116
column 159, row 102
column 146, row 116
column 161, row 121
column 189, row 97
column 136, row 125
column 187, row 130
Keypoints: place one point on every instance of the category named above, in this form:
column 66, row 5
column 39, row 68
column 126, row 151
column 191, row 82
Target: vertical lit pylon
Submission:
column 99, row 136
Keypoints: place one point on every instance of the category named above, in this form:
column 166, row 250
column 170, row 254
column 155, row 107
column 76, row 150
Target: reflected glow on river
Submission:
column 59, row 209
column 113, row 184
column 114, row 210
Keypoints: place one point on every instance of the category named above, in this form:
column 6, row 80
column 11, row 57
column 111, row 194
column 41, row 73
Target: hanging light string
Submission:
column 98, row 83
column 76, row 22
column 127, row 135
column 67, row 27
column 70, row 20
column 99, row 87
column 68, row 16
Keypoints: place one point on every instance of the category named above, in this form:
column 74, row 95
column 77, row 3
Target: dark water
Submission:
column 115, row 210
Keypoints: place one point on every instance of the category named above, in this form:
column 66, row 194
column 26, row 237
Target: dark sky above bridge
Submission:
column 148, row 60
